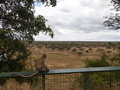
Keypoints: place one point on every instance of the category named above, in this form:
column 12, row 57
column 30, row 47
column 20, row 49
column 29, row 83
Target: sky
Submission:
column 77, row 20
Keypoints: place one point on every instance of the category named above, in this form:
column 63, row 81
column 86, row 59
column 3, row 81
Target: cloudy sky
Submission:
column 78, row 20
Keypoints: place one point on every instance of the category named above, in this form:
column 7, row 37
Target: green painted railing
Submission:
column 63, row 71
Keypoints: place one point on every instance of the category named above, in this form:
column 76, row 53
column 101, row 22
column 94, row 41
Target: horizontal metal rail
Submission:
column 63, row 71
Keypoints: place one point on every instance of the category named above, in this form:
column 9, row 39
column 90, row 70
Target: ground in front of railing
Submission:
column 73, row 81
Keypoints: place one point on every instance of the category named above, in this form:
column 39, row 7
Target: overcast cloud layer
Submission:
column 78, row 20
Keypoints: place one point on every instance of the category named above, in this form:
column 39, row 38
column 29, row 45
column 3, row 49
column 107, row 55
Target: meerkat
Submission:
column 40, row 66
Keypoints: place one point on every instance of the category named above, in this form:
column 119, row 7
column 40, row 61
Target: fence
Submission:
column 97, row 78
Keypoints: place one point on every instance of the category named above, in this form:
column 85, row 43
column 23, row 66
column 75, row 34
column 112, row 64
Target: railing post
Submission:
column 43, row 82
column 86, row 84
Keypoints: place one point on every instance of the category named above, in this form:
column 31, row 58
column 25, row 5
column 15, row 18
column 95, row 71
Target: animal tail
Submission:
column 26, row 76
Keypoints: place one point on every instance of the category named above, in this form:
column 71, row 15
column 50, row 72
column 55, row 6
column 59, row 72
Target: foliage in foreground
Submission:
column 102, row 80
column 113, row 21
column 18, row 25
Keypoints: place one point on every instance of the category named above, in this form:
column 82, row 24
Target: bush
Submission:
column 102, row 80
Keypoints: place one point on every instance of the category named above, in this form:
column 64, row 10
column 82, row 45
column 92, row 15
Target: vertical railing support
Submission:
column 86, row 84
column 43, row 82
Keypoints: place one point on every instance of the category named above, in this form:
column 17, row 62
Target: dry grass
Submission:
column 57, row 59
column 13, row 85
column 65, row 59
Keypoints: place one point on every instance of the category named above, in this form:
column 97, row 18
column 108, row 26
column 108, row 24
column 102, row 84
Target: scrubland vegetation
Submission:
column 73, row 54
column 64, row 55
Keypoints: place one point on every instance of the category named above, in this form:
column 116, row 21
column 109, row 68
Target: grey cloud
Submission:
column 77, row 17
column 65, row 10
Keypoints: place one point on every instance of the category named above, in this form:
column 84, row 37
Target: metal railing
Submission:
column 97, row 78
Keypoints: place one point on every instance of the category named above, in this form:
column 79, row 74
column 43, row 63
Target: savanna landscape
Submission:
column 84, row 34
column 66, row 55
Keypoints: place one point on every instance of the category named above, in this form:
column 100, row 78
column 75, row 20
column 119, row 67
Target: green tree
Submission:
column 17, row 26
column 74, row 50
column 106, row 80
column 101, row 62
column 79, row 53
column 113, row 22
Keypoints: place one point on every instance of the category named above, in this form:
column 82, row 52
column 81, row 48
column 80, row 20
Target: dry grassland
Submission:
column 60, row 59
column 64, row 59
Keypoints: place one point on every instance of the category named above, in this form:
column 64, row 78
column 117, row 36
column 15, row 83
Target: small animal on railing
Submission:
column 40, row 66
